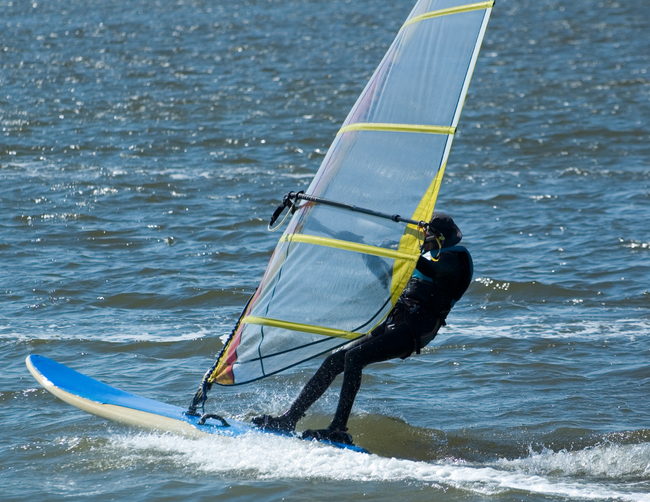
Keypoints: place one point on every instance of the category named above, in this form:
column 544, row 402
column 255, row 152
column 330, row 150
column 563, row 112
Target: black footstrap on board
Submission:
column 205, row 416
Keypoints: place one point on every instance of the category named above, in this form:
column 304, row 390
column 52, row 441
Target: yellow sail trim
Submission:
column 366, row 126
column 348, row 246
column 409, row 244
column 305, row 328
column 447, row 12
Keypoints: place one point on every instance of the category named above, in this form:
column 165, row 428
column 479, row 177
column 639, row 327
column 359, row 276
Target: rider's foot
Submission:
column 336, row 436
column 281, row 423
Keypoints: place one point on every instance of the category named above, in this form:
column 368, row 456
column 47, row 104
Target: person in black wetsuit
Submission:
column 442, row 275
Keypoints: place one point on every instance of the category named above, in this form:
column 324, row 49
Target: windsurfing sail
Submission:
column 335, row 274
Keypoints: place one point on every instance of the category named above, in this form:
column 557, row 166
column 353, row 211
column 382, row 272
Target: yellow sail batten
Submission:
column 452, row 10
column 305, row 328
column 348, row 246
column 366, row 126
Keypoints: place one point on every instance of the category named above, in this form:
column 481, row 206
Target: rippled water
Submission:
column 145, row 145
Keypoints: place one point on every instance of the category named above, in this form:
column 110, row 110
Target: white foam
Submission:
column 604, row 461
column 268, row 457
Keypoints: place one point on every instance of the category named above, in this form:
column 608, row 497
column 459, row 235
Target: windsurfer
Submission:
column 442, row 275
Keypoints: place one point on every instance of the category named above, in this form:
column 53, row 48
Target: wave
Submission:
column 264, row 457
column 613, row 461
column 544, row 327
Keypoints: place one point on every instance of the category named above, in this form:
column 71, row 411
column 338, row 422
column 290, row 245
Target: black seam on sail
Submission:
column 268, row 306
column 311, row 344
column 259, row 350
column 284, row 368
column 373, row 317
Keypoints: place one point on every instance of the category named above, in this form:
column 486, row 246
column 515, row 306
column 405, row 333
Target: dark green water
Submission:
column 144, row 146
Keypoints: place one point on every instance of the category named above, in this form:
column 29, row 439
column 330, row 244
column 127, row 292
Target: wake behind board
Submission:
column 97, row 398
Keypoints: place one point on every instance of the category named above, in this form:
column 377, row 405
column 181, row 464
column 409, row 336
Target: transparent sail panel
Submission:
column 422, row 75
column 312, row 288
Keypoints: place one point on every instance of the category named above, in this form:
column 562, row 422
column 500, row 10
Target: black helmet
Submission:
column 443, row 227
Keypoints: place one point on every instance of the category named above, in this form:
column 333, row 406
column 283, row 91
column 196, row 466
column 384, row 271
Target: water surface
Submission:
column 145, row 145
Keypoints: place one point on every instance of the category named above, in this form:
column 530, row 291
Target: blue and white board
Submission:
column 99, row 399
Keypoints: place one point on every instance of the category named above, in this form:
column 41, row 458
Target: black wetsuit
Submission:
column 414, row 322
